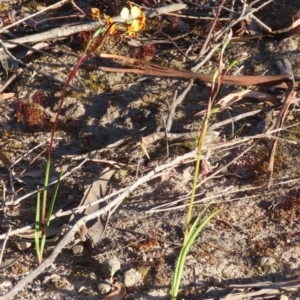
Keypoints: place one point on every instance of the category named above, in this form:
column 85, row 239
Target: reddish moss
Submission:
column 31, row 112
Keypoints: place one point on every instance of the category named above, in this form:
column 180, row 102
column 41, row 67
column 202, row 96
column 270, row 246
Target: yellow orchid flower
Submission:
column 139, row 19
column 124, row 13
column 95, row 13
column 135, row 12
column 142, row 21
column 133, row 28
column 110, row 21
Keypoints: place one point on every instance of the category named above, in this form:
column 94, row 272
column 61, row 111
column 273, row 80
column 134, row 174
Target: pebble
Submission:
column 104, row 287
column 109, row 265
column 132, row 277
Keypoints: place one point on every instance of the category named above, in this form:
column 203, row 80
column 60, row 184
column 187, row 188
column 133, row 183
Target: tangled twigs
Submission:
column 209, row 35
column 158, row 171
column 51, row 7
column 262, row 289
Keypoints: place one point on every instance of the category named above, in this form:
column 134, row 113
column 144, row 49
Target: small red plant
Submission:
column 148, row 52
column 31, row 112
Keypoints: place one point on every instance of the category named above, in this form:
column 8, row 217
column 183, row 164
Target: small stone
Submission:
column 266, row 261
column 132, row 277
column 104, row 287
column 77, row 249
column 70, row 197
column 110, row 265
column 55, row 277
column 5, row 284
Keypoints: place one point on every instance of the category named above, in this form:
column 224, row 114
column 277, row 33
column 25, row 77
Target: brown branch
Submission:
column 151, row 69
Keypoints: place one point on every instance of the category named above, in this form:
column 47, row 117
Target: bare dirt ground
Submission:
column 249, row 251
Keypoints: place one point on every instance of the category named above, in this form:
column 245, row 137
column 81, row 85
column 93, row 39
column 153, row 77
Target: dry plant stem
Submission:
column 4, row 244
column 209, row 35
column 268, row 284
column 11, row 182
column 3, row 193
column 78, row 8
column 11, row 79
column 175, row 45
column 207, row 57
column 279, row 123
column 27, row 153
column 156, row 136
column 201, row 141
column 176, row 102
column 70, row 234
column 167, row 140
column 194, row 17
column 33, row 160
column 151, row 69
column 4, row 190
column 241, row 116
column 265, row 289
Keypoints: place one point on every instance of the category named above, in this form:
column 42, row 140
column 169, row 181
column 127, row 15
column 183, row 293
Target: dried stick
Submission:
column 289, row 94
column 209, row 35
column 11, row 79
column 4, row 244
column 27, row 153
column 265, row 289
column 176, row 102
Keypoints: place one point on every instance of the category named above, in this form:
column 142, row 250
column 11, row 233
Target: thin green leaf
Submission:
column 233, row 63
column 98, row 32
column 197, row 221
column 45, row 194
column 50, row 210
column 37, row 225
column 183, row 253
column 215, row 76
